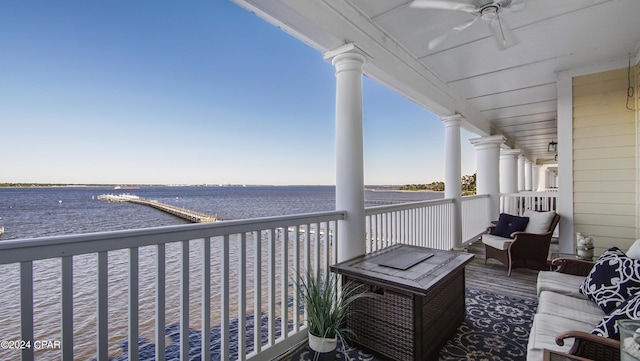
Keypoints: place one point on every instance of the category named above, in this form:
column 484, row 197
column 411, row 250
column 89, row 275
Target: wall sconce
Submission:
column 553, row 147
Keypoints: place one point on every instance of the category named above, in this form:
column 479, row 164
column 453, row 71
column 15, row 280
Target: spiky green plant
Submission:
column 326, row 305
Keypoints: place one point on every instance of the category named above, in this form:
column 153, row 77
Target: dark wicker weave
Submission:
column 572, row 266
column 405, row 323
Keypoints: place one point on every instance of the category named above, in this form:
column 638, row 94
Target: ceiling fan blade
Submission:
column 443, row 5
column 441, row 38
column 502, row 33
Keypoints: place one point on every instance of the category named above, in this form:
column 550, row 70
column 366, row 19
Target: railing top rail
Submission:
column 529, row 193
column 12, row 251
column 475, row 196
column 404, row 206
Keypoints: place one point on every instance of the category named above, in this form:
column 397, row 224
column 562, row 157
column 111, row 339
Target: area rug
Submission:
column 496, row 328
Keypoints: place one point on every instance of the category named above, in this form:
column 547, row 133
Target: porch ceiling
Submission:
column 510, row 92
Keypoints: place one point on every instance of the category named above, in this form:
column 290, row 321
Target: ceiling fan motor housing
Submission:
column 498, row 4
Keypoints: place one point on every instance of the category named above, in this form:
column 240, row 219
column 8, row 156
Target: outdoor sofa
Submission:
column 579, row 303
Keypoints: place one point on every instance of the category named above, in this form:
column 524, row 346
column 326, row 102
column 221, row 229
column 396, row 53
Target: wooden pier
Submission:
column 189, row 215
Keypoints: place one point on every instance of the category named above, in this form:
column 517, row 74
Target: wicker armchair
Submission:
column 525, row 250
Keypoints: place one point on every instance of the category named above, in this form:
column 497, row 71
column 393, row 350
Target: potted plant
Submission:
column 327, row 307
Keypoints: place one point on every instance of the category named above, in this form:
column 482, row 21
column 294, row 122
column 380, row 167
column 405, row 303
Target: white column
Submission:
column 535, row 177
column 453, row 173
column 528, row 172
column 542, row 178
column 520, row 172
column 509, row 170
column 348, row 61
column 487, row 163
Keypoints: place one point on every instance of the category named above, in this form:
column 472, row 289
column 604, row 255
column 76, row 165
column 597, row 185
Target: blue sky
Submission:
column 187, row 93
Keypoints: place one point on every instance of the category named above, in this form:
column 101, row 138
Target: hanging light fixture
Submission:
column 553, row 147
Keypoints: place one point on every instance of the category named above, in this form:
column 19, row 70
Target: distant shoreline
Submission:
column 374, row 189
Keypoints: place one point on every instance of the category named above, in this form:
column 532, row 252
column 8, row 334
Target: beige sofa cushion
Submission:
column 563, row 283
column 497, row 242
column 543, row 334
column 563, row 306
column 634, row 250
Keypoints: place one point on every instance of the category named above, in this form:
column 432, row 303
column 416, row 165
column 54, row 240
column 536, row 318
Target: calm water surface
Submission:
column 40, row 212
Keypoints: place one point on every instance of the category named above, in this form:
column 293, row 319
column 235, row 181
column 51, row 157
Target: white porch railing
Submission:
column 517, row 203
column 182, row 281
column 165, row 275
column 475, row 217
column 425, row 224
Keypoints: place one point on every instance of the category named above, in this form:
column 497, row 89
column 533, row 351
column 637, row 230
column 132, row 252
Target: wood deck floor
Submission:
column 493, row 276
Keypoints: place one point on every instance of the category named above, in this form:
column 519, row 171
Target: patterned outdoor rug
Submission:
column 496, row 328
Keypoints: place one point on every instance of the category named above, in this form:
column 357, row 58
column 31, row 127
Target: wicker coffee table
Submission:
column 420, row 300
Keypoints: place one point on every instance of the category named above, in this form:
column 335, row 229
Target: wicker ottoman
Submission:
column 417, row 309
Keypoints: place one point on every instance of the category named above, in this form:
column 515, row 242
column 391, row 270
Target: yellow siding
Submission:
column 604, row 159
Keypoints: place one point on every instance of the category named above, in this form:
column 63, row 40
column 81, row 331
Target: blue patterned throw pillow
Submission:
column 629, row 309
column 508, row 224
column 613, row 279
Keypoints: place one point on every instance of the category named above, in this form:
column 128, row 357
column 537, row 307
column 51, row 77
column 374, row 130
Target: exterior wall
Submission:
column 605, row 159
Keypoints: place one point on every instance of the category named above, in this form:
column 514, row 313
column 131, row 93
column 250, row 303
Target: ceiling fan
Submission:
column 489, row 11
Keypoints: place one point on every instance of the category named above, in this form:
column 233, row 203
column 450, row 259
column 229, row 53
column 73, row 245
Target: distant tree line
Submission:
column 468, row 186
column 433, row 186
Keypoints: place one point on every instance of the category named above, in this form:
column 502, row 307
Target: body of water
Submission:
column 53, row 211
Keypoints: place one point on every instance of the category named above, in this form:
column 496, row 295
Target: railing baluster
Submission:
column 316, row 253
column 184, row 301
column 224, row 299
column 284, row 287
column 160, row 302
column 326, row 258
column 272, row 288
column 103, row 304
column 26, row 308
column 133, row 303
column 335, row 241
column 307, row 249
column 295, row 280
column 242, row 297
column 392, row 239
column 379, row 243
column 206, row 299
column 67, row 307
column 257, row 297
